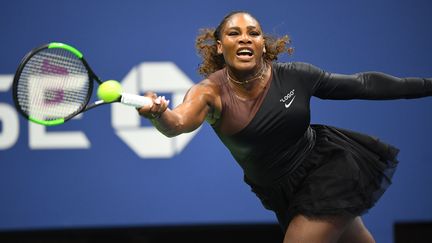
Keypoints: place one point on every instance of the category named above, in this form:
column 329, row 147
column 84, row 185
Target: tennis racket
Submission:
column 54, row 83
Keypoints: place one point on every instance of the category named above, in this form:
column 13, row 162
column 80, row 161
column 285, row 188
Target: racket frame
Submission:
column 91, row 75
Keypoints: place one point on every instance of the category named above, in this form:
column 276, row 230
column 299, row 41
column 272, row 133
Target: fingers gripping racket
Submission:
column 55, row 83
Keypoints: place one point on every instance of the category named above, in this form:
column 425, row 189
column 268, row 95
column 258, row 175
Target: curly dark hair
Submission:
column 206, row 46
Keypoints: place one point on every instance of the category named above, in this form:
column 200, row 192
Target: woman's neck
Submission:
column 255, row 85
column 247, row 78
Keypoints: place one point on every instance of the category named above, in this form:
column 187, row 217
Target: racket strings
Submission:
column 54, row 84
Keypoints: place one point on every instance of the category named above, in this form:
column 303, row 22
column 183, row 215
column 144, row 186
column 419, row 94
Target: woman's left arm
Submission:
column 368, row 85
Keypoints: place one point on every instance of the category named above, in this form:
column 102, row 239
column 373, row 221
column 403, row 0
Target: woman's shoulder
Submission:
column 293, row 66
column 216, row 77
column 298, row 69
column 210, row 86
column 210, row 91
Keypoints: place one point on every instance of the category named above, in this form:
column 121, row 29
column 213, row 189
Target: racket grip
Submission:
column 135, row 100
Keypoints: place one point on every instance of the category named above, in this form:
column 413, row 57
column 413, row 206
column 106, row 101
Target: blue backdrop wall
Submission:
column 110, row 168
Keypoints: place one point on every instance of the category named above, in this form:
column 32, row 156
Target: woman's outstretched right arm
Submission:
column 200, row 101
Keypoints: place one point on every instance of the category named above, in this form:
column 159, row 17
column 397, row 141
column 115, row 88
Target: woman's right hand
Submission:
column 155, row 110
column 187, row 116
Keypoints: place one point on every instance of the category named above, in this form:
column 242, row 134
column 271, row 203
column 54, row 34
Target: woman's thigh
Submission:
column 356, row 233
column 326, row 230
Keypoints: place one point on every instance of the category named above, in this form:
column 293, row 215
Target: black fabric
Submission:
column 317, row 170
column 345, row 174
column 266, row 147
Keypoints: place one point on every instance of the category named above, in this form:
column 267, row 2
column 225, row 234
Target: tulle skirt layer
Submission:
column 344, row 174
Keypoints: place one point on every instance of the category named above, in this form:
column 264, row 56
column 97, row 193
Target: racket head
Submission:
column 52, row 84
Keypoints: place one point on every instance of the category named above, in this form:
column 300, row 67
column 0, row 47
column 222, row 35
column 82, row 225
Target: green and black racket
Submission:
column 54, row 83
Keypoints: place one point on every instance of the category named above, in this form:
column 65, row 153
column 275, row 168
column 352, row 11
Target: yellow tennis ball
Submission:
column 109, row 91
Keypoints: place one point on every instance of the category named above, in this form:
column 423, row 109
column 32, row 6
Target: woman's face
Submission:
column 241, row 43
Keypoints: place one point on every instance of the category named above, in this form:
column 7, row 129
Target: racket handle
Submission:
column 135, row 100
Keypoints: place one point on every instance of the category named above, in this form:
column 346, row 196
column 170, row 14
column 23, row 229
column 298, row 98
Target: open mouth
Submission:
column 245, row 52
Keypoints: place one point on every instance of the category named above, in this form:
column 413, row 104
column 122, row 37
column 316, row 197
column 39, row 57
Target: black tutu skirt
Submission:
column 344, row 174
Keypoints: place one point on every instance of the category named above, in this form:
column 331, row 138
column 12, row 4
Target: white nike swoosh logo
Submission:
column 289, row 104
